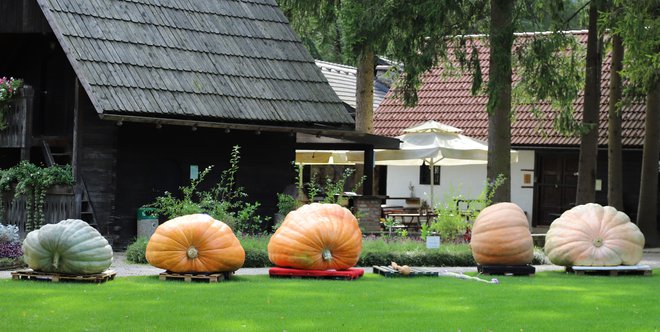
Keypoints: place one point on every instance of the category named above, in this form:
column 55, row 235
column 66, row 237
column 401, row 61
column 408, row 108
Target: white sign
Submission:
column 433, row 242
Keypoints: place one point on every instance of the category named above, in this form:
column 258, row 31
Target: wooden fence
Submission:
column 59, row 205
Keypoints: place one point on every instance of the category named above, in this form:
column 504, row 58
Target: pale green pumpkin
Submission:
column 71, row 246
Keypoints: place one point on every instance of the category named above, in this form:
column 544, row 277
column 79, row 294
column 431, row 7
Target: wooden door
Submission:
column 556, row 186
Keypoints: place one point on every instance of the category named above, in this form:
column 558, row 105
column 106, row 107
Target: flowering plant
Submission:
column 8, row 90
column 10, row 244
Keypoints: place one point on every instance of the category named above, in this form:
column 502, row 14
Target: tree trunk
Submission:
column 614, row 154
column 364, row 93
column 499, row 95
column 586, row 187
column 647, row 211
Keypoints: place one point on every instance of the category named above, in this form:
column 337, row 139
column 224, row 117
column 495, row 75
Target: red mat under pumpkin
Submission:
column 283, row 272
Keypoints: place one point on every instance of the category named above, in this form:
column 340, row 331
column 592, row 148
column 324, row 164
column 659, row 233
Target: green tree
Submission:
column 586, row 187
column 422, row 34
column 639, row 28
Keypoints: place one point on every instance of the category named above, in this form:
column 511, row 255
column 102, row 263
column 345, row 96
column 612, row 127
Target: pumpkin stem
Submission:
column 56, row 260
column 192, row 252
column 327, row 255
column 598, row 242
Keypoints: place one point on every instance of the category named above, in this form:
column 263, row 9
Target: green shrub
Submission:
column 136, row 251
column 375, row 251
column 226, row 201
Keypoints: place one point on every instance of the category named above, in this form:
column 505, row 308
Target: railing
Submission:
column 19, row 124
column 59, row 205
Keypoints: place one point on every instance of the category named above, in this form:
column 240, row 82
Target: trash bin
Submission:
column 147, row 221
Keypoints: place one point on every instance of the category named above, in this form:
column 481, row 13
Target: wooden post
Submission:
column 28, row 102
column 75, row 166
column 368, row 187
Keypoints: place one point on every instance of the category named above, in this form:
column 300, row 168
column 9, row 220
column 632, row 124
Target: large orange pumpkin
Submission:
column 594, row 235
column 317, row 237
column 501, row 236
column 195, row 243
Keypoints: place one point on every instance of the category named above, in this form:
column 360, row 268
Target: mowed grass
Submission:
column 548, row 301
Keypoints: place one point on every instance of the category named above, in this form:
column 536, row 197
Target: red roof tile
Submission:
column 448, row 99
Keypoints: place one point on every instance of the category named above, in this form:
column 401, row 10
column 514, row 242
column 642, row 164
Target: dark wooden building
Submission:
column 133, row 93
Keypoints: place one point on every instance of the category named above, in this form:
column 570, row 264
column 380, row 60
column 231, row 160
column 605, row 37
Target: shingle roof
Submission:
column 343, row 80
column 449, row 100
column 230, row 60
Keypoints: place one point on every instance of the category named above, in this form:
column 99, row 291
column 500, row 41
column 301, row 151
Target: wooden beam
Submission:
column 75, row 153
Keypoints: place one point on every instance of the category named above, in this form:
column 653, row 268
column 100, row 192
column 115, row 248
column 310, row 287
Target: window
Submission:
column 425, row 174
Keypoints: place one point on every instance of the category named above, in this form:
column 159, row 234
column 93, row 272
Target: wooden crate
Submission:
column 388, row 271
column 30, row 274
column 512, row 270
column 611, row 270
column 189, row 277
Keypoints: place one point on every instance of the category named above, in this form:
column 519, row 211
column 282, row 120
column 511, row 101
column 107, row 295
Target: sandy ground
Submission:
column 126, row 269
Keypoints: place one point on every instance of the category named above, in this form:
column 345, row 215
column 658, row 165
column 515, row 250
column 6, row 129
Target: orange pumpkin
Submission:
column 501, row 236
column 317, row 237
column 594, row 235
column 195, row 243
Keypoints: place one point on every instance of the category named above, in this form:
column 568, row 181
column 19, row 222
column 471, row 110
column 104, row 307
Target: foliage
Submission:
column 332, row 189
column 11, row 250
column 9, row 88
column 638, row 25
column 452, row 223
column 136, row 251
column 9, row 234
column 286, row 203
column 32, row 181
column 224, row 202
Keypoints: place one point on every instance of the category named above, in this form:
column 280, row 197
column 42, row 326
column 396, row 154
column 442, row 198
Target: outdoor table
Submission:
column 411, row 221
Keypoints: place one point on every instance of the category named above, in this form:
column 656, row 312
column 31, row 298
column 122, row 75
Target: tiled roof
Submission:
column 343, row 79
column 447, row 99
column 229, row 60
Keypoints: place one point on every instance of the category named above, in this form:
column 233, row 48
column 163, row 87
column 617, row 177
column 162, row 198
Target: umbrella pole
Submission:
column 432, row 167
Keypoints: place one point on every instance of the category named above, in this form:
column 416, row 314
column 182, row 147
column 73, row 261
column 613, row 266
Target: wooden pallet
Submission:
column 30, row 274
column 388, row 271
column 512, row 270
column 283, row 272
column 611, row 270
column 189, row 277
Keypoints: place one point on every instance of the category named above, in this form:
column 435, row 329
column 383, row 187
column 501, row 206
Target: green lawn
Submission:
column 549, row 301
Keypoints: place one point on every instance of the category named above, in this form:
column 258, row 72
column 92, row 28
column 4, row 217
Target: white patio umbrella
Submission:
column 434, row 144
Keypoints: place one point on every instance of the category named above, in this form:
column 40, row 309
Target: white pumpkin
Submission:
column 594, row 235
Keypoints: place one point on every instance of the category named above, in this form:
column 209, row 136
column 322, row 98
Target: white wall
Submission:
column 524, row 197
column 467, row 181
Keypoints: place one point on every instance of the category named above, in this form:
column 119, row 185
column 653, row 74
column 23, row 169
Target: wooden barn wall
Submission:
column 98, row 155
column 152, row 161
column 22, row 16
column 41, row 63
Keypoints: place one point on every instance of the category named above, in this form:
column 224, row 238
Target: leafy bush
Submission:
column 9, row 234
column 375, row 251
column 136, row 251
column 32, row 181
column 225, row 201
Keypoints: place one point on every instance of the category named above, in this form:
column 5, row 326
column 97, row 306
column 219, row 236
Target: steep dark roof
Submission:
column 448, row 99
column 217, row 60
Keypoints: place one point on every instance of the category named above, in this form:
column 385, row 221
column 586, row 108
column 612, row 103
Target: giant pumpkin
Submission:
column 501, row 236
column 317, row 237
column 594, row 235
column 70, row 247
column 195, row 243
